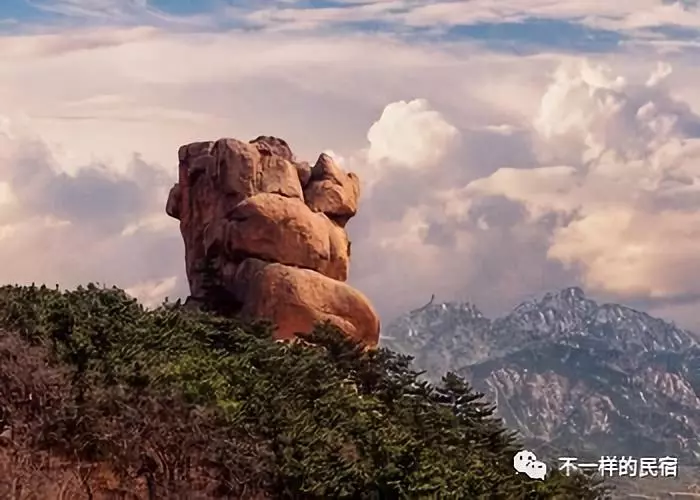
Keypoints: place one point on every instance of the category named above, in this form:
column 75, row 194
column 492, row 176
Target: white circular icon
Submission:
column 525, row 462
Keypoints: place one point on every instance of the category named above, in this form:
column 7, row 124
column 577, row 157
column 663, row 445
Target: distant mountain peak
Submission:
column 432, row 308
column 560, row 316
column 422, row 308
column 569, row 293
column 463, row 307
column 572, row 293
column 571, row 297
column 567, row 371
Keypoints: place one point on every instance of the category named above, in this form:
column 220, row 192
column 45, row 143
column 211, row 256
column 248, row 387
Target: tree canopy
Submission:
column 188, row 404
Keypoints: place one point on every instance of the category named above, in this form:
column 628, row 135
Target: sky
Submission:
column 506, row 148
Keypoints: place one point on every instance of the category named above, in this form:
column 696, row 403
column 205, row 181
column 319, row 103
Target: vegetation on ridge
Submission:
column 171, row 403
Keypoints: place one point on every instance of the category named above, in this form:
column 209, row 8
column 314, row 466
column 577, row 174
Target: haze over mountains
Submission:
column 568, row 373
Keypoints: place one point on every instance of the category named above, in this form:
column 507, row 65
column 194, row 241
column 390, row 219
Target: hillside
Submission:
column 570, row 374
column 103, row 399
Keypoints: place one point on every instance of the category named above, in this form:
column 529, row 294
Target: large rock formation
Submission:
column 264, row 235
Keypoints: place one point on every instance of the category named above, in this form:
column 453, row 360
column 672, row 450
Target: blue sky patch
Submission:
column 542, row 33
column 677, row 32
column 184, row 7
column 19, row 10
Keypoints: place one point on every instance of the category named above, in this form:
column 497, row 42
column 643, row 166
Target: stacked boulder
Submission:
column 265, row 236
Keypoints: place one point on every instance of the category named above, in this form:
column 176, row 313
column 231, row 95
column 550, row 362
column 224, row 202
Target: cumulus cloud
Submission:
column 586, row 111
column 410, row 135
column 630, row 188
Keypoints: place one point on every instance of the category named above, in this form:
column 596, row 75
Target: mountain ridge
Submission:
column 568, row 373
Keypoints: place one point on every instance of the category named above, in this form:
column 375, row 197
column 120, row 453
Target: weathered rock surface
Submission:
column 332, row 191
column 295, row 299
column 264, row 235
column 244, row 169
column 284, row 230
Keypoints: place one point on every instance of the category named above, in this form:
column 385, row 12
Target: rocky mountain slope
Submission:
column 570, row 374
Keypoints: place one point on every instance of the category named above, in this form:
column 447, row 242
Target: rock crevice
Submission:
column 265, row 235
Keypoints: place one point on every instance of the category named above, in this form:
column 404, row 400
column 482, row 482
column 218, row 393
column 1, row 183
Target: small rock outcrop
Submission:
column 265, row 235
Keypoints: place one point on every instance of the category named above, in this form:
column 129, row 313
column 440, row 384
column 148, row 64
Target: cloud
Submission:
column 410, row 135
column 304, row 18
column 614, row 181
column 24, row 46
column 631, row 186
column 91, row 8
column 515, row 24
column 622, row 15
column 70, row 229
column 486, row 176
column 120, row 12
column 627, row 252
column 588, row 112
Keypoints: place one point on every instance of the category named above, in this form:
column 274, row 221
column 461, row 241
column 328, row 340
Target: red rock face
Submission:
column 264, row 235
